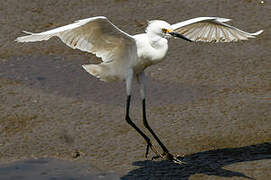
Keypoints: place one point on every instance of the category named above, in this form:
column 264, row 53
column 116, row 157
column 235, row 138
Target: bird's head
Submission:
column 159, row 28
column 163, row 29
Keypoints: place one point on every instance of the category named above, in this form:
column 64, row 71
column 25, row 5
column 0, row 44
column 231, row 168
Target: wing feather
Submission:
column 192, row 33
column 211, row 33
column 211, row 29
column 96, row 35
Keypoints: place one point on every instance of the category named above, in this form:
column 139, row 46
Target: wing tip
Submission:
column 21, row 39
column 257, row 33
column 17, row 39
column 27, row 32
column 222, row 19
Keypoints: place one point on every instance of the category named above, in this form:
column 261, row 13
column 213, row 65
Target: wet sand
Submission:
column 209, row 103
column 52, row 169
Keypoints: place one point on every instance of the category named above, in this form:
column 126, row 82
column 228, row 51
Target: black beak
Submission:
column 175, row 34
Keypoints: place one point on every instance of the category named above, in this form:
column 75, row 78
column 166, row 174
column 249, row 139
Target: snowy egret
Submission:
column 125, row 56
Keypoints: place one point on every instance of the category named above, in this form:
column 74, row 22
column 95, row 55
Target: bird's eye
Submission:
column 164, row 30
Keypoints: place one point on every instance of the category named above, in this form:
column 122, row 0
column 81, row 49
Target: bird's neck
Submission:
column 156, row 41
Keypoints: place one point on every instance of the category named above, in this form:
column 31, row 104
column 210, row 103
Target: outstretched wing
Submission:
column 96, row 35
column 211, row 29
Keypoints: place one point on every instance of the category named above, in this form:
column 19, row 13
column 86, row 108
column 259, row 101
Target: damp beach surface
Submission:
column 209, row 103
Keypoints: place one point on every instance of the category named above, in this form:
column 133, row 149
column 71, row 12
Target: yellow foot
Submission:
column 170, row 157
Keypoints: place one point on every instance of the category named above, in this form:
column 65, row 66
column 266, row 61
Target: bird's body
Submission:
column 146, row 55
column 150, row 53
column 150, row 49
column 125, row 56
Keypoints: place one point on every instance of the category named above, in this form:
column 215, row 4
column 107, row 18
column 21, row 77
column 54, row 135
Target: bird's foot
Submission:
column 177, row 160
column 165, row 155
column 170, row 157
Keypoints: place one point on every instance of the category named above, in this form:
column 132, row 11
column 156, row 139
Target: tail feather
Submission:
column 93, row 69
column 103, row 72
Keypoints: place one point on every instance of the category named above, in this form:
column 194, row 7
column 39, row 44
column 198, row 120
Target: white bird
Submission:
column 125, row 57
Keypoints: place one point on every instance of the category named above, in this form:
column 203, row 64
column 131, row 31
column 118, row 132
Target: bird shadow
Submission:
column 206, row 162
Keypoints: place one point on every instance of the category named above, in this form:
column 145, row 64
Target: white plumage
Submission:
column 125, row 57
column 212, row 29
column 121, row 51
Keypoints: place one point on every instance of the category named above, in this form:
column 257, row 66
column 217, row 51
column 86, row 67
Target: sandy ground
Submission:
column 207, row 102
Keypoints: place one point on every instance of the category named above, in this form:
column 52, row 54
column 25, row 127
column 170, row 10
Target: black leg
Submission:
column 129, row 121
column 146, row 124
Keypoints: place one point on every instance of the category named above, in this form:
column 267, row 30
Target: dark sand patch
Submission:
column 51, row 169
